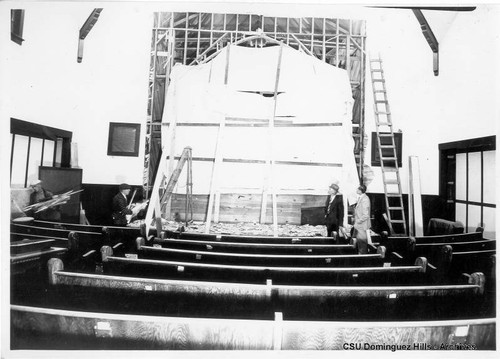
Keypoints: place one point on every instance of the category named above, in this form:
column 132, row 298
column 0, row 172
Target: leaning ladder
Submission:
column 159, row 200
column 395, row 215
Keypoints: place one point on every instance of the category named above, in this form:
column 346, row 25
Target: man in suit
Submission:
column 334, row 210
column 362, row 223
column 120, row 205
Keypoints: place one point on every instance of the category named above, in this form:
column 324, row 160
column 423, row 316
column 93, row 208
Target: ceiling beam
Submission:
column 434, row 8
column 85, row 29
column 431, row 39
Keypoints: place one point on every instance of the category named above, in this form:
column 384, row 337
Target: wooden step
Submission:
column 390, row 169
column 384, row 124
column 397, row 221
column 396, row 208
column 391, row 182
column 387, row 146
column 393, row 194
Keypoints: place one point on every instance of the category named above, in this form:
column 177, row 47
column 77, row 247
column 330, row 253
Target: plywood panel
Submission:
column 202, row 140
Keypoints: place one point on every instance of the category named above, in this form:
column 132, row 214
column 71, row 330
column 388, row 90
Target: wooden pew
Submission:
column 463, row 261
column 433, row 251
column 263, row 248
column 84, row 237
column 45, row 328
column 250, row 259
column 115, row 233
column 68, row 226
column 246, row 239
column 32, row 255
column 30, row 245
column 402, row 244
column 57, row 276
column 259, row 274
column 227, row 300
column 251, row 239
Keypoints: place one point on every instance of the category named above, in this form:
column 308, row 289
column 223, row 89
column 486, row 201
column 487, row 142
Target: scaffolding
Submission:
column 193, row 38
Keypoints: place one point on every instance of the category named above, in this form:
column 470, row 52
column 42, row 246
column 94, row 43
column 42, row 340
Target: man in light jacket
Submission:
column 362, row 223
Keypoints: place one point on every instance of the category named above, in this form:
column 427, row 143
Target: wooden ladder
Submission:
column 161, row 194
column 395, row 215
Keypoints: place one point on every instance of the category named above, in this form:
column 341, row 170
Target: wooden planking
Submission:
column 243, row 208
column 147, row 332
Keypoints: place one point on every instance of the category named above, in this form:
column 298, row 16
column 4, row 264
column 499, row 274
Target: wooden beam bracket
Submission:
column 431, row 39
column 85, row 29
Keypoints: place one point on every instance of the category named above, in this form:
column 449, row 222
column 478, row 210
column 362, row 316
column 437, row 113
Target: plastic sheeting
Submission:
column 309, row 92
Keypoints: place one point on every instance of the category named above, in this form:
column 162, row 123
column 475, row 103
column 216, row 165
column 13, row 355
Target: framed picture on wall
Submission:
column 124, row 139
column 398, row 140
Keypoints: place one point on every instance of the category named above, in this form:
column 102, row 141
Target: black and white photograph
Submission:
column 239, row 178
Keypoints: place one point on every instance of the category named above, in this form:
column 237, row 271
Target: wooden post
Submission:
column 189, row 189
column 155, row 197
column 139, row 242
column 417, row 196
column 421, row 262
column 278, row 330
column 106, row 235
column 269, row 179
column 73, row 243
column 54, row 265
column 214, row 193
column 106, row 251
column 478, row 279
column 411, row 214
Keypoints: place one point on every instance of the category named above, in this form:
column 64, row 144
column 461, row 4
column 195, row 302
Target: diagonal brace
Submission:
column 431, row 39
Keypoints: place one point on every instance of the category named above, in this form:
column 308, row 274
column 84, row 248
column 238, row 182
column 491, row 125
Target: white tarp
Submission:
column 310, row 91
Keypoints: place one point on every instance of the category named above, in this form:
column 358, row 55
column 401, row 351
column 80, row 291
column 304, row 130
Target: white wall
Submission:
column 49, row 87
column 460, row 103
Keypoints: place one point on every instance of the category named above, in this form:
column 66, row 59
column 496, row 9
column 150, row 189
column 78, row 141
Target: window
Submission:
column 16, row 26
column 34, row 145
column 467, row 182
column 124, row 139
